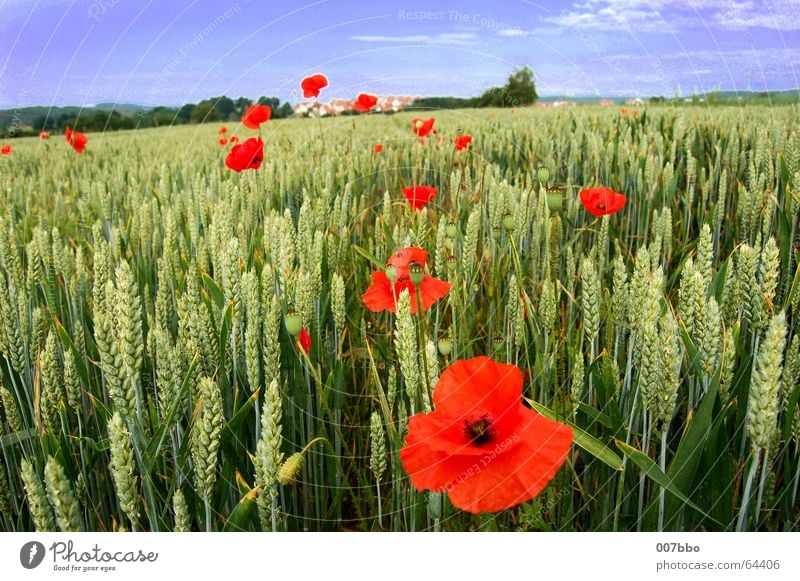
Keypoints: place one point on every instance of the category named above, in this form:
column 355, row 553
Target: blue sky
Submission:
column 56, row 52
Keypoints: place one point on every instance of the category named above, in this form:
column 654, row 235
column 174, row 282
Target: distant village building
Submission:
column 335, row 107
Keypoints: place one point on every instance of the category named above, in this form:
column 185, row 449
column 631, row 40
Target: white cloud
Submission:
column 665, row 15
column 512, row 32
column 639, row 15
column 441, row 39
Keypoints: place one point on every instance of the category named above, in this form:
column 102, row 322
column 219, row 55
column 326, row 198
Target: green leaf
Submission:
column 11, row 439
column 242, row 518
column 231, row 427
column 583, row 439
column 651, row 469
column 152, row 453
column 369, row 256
column 695, row 363
column 683, row 466
column 213, row 289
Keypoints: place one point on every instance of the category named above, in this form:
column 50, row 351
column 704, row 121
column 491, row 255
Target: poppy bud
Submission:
column 498, row 342
column 452, row 230
column 391, row 272
column 445, row 345
column 452, row 262
column 496, row 233
column 508, row 221
column 290, row 468
column 555, row 201
column 449, row 244
column 416, row 273
column 544, row 175
column 294, row 323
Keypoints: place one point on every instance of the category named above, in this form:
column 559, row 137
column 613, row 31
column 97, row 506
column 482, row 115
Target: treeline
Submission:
column 217, row 109
column 519, row 91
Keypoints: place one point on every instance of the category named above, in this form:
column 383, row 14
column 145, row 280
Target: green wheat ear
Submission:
column 590, row 299
column 269, row 457
column 377, row 439
column 183, row 522
column 62, row 498
column 41, row 512
column 206, row 437
column 407, row 348
column 763, row 401
column 52, row 385
column 122, row 469
column 5, row 491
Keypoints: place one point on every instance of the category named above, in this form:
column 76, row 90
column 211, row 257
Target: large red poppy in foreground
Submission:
column 380, row 296
column 313, row 85
column 256, row 115
column 77, row 140
column 601, row 200
column 481, row 444
column 419, row 196
column 247, row 155
column 5, row 150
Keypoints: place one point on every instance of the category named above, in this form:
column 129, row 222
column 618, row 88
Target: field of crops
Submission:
column 185, row 347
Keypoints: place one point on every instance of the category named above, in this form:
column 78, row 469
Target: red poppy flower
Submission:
column 256, row 115
column 44, row 135
column 634, row 113
column 222, row 130
column 601, row 200
column 419, row 196
column 247, row 155
column 481, row 444
column 422, row 127
column 77, row 140
column 377, row 148
column 381, row 294
column 5, row 150
column 223, row 141
column 462, row 141
column 304, row 340
column 623, row 111
column 234, row 139
column 313, row 85
column 365, row 102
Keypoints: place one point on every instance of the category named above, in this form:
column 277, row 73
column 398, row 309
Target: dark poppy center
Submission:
column 480, row 431
column 601, row 206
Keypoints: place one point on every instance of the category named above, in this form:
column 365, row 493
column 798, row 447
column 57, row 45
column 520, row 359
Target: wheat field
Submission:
column 150, row 382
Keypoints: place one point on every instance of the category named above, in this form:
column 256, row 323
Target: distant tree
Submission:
column 44, row 123
column 519, row 90
column 521, row 87
column 185, row 113
column 284, row 111
column 225, row 108
column 161, row 116
column 241, row 105
column 204, row 112
column 434, row 103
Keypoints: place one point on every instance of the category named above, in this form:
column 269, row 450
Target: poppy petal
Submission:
column 516, row 475
column 431, row 290
column 473, row 387
column 378, row 297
